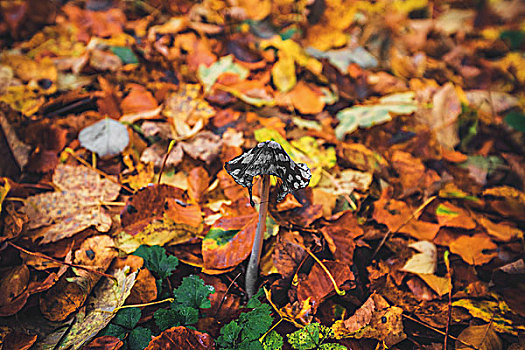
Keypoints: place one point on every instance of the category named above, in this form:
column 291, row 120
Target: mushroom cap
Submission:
column 269, row 158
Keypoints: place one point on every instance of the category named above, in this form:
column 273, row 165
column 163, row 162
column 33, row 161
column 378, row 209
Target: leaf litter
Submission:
column 406, row 112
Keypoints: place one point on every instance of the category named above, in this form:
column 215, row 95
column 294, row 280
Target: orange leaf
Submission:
column 475, row 250
column 305, row 99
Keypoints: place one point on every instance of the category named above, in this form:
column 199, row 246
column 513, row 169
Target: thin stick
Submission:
column 101, row 173
column 170, row 147
column 225, row 294
column 412, row 216
column 43, row 256
column 437, row 330
column 253, row 265
column 325, row 269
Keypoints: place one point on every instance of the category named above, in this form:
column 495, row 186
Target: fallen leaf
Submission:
column 305, row 99
column 187, row 111
column 107, row 137
column 283, row 72
column 181, row 337
column 475, row 250
column 425, row 262
column 74, row 209
column 452, row 216
column 106, row 342
column 396, row 215
column 288, row 253
column 376, row 320
column 209, row 75
column 205, row 146
column 228, row 242
column 100, row 307
column 482, row 337
column 497, row 312
column 366, row 116
column 500, row 231
column 317, row 286
column 70, row 293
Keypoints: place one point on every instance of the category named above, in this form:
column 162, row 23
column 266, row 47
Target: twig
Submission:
column 449, row 305
column 412, row 216
column 225, row 294
column 253, row 265
column 170, row 147
column 438, row 331
column 325, row 269
column 167, row 300
column 101, row 173
column 43, row 256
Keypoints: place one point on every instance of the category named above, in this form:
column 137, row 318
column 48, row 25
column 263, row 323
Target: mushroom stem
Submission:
column 253, row 264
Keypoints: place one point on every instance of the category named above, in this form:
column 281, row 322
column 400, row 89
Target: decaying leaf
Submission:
column 374, row 319
column 100, row 309
column 58, row 215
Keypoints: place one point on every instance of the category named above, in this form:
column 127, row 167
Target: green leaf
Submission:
column 516, row 120
column 250, row 345
column 194, row 293
column 229, row 336
column 139, row 338
column 369, row 115
column 256, row 322
column 244, row 333
column 273, row 341
column 128, row 317
column 115, row 331
column 515, row 38
column 166, row 318
column 177, row 315
column 254, row 300
column 125, row 54
column 209, row 75
column 157, row 261
column 309, row 337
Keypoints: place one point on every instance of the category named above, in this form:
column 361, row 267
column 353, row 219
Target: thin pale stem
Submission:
column 170, row 147
column 253, row 264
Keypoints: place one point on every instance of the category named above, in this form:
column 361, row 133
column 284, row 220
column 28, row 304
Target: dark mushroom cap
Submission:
column 269, row 158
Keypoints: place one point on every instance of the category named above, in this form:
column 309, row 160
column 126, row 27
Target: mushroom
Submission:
column 265, row 159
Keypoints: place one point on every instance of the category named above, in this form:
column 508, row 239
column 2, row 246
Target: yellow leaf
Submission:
column 497, row 312
column 295, row 51
column 283, row 72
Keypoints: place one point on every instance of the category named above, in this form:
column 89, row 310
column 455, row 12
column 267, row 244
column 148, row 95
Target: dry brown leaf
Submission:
column 75, row 208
